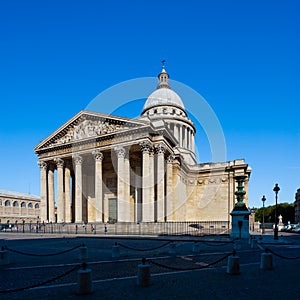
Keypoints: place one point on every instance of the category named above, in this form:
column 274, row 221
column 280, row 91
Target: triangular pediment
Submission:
column 88, row 125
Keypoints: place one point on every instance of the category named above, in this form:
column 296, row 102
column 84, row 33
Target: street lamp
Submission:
column 276, row 189
column 263, row 199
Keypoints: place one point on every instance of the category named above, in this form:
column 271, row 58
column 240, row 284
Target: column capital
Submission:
column 170, row 158
column 59, row 162
column 42, row 164
column 120, row 151
column 68, row 164
column 98, row 155
column 146, row 147
column 160, row 148
column 77, row 159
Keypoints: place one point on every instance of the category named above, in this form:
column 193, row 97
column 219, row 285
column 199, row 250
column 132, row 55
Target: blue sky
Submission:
column 241, row 56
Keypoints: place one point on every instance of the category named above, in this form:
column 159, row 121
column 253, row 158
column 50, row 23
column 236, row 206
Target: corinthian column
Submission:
column 170, row 207
column 123, row 185
column 98, row 185
column 51, row 201
column 147, row 184
column 43, row 190
column 60, row 190
column 160, row 150
column 68, row 218
column 78, row 188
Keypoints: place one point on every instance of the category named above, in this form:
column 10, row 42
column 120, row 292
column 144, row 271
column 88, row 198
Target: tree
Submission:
column 287, row 211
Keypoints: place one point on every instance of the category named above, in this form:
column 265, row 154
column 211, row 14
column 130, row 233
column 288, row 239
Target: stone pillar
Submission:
column 98, row 186
column 180, row 136
column 60, row 190
column 169, row 197
column 123, row 185
column 51, row 194
column 78, row 189
column 43, row 190
column 176, row 132
column 147, row 204
column 161, row 209
column 68, row 213
column 193, row 141
column 138, row 189
column 126, row 216
column 152, row 182
column 187, row 131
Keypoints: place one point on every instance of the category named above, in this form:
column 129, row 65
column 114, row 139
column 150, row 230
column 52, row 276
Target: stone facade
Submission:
column 114, row 169
column 16, row 207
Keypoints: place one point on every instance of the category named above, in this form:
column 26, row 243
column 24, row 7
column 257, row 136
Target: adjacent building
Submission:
column 16, row 207
column 106, row 168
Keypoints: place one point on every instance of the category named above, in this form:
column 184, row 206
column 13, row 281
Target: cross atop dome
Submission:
column 163, row 77
column 163, row 66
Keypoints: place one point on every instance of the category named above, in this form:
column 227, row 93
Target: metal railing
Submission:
column 196, row 228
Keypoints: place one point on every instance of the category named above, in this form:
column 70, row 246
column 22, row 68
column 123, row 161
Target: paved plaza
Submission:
column 180, row 268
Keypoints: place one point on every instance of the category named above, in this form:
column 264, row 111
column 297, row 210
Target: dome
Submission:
column 163, row 96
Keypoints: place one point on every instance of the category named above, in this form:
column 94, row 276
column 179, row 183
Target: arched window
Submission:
column 30, row 205
column 23, row 205
column 36, row 206
column 7, row 203
column 16, row 204
column 164, row 110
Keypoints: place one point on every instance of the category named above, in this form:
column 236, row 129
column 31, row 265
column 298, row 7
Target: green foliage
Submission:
column 287, row 211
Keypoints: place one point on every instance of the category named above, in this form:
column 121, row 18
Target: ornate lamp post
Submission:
column 276, row 189
column 263, row 199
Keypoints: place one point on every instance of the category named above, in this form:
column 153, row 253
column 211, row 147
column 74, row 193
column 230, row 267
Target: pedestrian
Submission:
column 76, row 228
column 105, row 229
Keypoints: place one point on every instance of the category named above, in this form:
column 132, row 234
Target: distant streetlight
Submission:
column 263, row 199
column 276, row 189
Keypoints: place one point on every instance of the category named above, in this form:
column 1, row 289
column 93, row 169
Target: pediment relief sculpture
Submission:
column 88, row 129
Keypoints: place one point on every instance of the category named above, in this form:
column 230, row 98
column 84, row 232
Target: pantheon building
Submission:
column 106, row 168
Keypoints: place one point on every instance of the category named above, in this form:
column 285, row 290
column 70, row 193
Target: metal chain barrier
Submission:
column 279, row 255
column 149, row 249
column 188, row 269
column 41, row 283
column 216, row 244
column 33, row 254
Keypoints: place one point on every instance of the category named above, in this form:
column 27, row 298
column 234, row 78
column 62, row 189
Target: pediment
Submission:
column 88, row 125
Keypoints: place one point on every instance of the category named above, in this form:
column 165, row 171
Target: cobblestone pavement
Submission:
column 116, row 278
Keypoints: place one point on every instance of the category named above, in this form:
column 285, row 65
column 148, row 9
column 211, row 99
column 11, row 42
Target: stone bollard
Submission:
column 233, row 264
column 196, row 248
column 4, row 257
column 250, row 240
column 83, row 253
column 172, row 249
column 143, row 275
column 115, row 251
column 237, row 245
column 84, row 285
column 253, row 243
column 266, row 261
